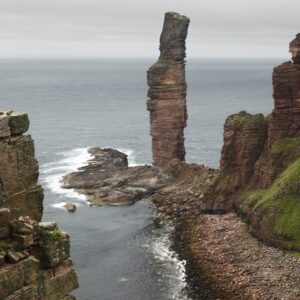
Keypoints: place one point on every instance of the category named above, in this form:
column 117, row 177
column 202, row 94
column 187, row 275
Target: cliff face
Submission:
column 34, row 257
column 284, row 123
column 259, row 167
column 167, row 92
column 19, row 188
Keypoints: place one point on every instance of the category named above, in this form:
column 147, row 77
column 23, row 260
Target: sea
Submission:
column 122, row 252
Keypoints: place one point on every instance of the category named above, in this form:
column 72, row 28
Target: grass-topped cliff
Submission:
column 274, row 213
column 260, row 178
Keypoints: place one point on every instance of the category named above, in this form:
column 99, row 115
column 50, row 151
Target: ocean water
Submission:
column 122, row 252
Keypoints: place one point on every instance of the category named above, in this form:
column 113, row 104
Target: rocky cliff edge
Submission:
column 35, row 259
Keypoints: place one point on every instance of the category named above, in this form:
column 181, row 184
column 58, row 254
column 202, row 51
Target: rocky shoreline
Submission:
column 223, row 260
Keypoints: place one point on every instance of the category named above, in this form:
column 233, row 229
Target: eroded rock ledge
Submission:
column 35, row 259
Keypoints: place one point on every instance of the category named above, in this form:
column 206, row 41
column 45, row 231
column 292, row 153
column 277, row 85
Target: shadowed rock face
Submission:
column 167, row 92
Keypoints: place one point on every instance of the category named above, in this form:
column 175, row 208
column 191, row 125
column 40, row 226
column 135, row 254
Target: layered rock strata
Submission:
column 19, row 188
column 259, row 167
column 35, row 259
column 108, row 180
column 167, row 92
column 284, row 122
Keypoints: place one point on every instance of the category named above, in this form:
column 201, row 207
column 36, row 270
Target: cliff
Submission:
column 167, row 92
column 260, row 165
column 19, row 188
column 34, row 256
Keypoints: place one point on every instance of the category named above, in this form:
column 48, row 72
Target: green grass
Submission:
column 53, row 235
column 243, row 118
column 279, row 206
column 286, row 145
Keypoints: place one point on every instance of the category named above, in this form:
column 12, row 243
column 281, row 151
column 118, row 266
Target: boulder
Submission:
column 70, row 207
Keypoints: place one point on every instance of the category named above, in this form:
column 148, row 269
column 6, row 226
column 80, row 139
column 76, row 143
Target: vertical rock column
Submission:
column 167, row 92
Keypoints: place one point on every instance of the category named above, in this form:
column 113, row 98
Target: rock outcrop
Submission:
column 35, row 259
column 167, row 92
column 107, row 179
column 19, row 188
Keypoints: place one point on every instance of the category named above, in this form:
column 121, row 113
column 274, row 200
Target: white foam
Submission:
column 53, row 173
column 70, row 161
column 175, row 268
column 131, row 157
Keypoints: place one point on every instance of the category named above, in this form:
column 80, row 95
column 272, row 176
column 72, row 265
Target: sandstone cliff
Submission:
column 260, row 165
column 19, row 188
column 167, row 92
column 259, row 179
column 34, row 257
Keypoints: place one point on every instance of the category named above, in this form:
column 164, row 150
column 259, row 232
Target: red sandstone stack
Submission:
column 167, row 92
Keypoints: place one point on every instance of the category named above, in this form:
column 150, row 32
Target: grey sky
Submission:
column 75, row 28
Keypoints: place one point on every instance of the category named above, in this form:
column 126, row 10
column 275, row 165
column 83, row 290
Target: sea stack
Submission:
column 167, row 92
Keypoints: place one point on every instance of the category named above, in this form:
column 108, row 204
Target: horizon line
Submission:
column 90, row 57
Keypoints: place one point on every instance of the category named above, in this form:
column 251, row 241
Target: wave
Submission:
column 160, row 246
column 131, row 157
column 53, row 173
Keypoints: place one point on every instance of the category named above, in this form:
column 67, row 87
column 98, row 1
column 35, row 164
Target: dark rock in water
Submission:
column 167, row 92
column 70, row 207
column 108, row 180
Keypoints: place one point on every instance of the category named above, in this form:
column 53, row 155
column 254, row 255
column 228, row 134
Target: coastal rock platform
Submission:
column 108, row 180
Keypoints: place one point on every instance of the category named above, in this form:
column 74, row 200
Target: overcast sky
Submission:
column 131, row 28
